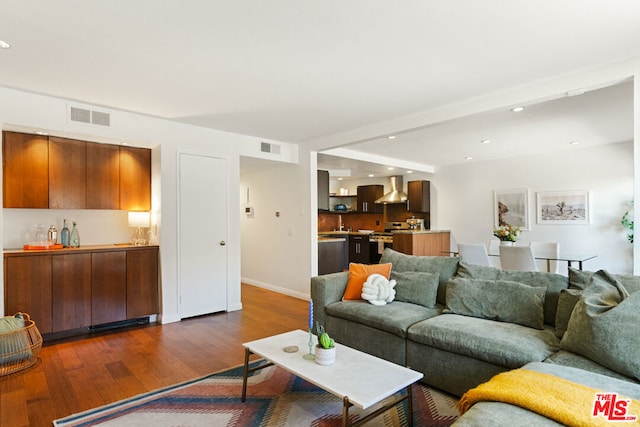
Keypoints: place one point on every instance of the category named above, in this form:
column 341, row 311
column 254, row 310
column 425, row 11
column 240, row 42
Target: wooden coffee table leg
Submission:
column 247, row 353
column 345, row 411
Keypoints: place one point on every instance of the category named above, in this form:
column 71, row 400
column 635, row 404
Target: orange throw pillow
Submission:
column 358, row 274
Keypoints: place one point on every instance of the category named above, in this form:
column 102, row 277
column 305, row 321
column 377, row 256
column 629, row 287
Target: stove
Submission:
column 381, row 237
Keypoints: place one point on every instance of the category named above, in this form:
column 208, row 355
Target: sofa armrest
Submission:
column 327, row 289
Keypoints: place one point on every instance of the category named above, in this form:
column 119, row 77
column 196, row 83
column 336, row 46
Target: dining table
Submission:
column 568, row 257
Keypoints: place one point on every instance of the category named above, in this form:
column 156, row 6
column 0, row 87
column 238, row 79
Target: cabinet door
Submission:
column 25, row 170
column 359, row 249
column 419, row 195
column 71, row 283
column 323, row 190
column 103, row 176
column 142, row 282
column 367, row 195
column 67, row 173
column 135, row 179
column 108, row 287
column 27, row 288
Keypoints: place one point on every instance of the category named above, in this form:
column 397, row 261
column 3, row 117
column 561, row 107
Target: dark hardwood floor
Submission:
column 80, row 374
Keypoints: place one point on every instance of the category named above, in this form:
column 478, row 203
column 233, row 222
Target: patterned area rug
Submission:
column 274, row 398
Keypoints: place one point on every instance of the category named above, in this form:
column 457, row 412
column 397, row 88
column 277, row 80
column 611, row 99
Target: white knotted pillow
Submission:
column 378, row 290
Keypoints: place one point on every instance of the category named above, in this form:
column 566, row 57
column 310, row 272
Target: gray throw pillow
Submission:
column 604, row 325
column 416, row 287
column 567, row 301
column 579, row 279
column 500, row 300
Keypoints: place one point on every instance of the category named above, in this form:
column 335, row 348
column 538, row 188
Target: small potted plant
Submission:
column 325, row 349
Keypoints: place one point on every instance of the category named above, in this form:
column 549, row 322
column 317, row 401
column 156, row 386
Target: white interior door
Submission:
column 202, row 235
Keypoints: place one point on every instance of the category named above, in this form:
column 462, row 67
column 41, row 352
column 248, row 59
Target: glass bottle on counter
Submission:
column 65, row 236
column 75, row 237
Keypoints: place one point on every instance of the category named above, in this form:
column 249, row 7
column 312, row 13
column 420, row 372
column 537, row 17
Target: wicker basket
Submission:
column 19, row 349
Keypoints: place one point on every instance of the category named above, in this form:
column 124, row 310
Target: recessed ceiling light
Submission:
column 468, row 158
column 371, row 175
column 575, row 92
column 409, row 171
column 517, row 109
column 340, row 179
column 124, row 143
column 4, row 44
column 486, row 141
column 574, row 142
column 390, row 168
column 391, row 137
column 39, row 132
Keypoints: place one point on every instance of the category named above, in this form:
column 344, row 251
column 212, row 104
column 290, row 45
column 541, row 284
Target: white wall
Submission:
column 465, row 200
column 22, row 110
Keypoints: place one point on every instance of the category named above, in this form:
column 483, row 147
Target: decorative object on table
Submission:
column 139, row 220
column 65, row 234
column 511, row 207
column 291, row 349
column 52, row 235
column 74, row 239
column 20, row 343
column 378, row 290
column 310, row 355
column 326, row 349
column 563, row 207
column 628, row 224
column 507, row 234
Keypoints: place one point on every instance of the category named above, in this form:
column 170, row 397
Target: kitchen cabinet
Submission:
column 67, row 173
column 71, row 291
column 27, row 289
column 68, row 289
column 142, row 282
column 103, row 179
column 332, row 255
column 135, row 179
column 323, row 190
column 419, row 196
column 108, row 287
column 359, row 248
column 25, row 170
column 428, row 243
column 367, row 195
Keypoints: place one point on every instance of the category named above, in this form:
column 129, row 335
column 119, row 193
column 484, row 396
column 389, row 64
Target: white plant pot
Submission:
column 506, row 243
column 325, row 356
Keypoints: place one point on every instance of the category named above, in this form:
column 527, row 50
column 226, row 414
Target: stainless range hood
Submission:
column 396, row 195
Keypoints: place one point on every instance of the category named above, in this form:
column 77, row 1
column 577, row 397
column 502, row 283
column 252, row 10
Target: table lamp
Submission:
column 139, row 220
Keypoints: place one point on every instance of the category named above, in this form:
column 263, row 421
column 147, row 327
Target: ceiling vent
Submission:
column 266, row 147
column 89, row 117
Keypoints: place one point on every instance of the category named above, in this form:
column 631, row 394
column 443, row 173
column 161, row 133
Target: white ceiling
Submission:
column 295, row 70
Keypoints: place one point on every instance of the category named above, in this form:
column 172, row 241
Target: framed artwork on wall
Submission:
column 563, row 207
column 511, row 207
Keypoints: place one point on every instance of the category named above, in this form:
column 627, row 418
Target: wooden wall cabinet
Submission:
column 135, row 179
column 71, row 291
column 78, row 288
column 103, row 177
column 25, row 170
column 27, row 284
column 419, row 196
column 367, row 195
column 67, row 173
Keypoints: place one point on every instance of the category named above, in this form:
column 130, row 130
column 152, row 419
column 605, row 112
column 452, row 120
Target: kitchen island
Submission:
column 423, row 242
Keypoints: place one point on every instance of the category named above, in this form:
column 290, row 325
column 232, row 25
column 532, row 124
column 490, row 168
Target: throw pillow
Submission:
column 579, row 279
column 416, row 287
column 14, row 347
column 500, row 300
column 566, row 302
column 378, row 290
column 358, row 274
column 604, row 325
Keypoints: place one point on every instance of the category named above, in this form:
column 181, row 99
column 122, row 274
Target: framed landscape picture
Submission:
column 511, row 207
column 563, row 207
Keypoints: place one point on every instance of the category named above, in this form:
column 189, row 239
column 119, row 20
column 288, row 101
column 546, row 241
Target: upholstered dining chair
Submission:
column 518, row 258
column 494, row 249
column 473, row 253
column 546, row 249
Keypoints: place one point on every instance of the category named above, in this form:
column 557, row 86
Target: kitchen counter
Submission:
column 331, row 239
column 85, row 248
column 419, row 231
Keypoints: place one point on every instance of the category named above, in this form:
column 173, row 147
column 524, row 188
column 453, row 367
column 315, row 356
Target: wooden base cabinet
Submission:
column 435, row 243
column 77, row 288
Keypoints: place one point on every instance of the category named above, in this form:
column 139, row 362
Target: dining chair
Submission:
column 494, row 252
column 518, row 258
column 546, row 249
column 474, row 253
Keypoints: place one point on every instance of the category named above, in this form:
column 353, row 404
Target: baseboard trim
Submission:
column 275, row 288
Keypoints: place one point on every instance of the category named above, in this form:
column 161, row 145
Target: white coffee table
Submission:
column 359, row 379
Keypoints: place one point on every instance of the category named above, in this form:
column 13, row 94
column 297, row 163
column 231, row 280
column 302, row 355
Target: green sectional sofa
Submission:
column 482, row 321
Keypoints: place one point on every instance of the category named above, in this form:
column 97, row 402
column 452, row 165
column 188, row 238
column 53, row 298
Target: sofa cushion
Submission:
column 416, row 287
column 503, row 344
column 554, row 283
column 567, row 358
column 358, row 274
column 566, row 302
column 394, row 318
column 579, row 279
column 446, row 266
column 604, row 325
column 500, row 300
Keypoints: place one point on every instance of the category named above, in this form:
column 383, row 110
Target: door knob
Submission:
column 222, row 243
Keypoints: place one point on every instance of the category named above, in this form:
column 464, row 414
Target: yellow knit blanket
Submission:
column 564, row 401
